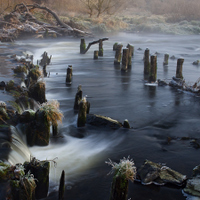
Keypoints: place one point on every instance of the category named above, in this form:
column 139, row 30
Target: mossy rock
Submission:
column 102, row 121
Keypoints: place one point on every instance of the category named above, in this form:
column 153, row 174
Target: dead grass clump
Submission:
column 52, row 112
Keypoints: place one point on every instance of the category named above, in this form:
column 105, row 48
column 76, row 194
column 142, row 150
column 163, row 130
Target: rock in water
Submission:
column 159, row 174
column 193, row 184
column 102, row 121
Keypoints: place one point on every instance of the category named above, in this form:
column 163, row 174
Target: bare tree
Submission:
column 102, row 6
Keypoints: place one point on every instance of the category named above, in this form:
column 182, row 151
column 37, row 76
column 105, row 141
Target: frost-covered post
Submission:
column 118, row 54
column 82, row 113
column 146, row 62
column 125, row 57
column 100, row 47
column 82, row 46
column 96, row 53
column 166, row 58
column 40, row 170
column 69, row 74
column 179, row 68
column 153, row 69
column 123, row 172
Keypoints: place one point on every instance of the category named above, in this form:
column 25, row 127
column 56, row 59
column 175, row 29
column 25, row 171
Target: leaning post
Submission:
column 179, row 68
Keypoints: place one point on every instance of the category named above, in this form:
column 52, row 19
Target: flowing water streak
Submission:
column 76, row 155
column 20, row 152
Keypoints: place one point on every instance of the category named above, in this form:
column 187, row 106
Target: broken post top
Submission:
column 83, row 51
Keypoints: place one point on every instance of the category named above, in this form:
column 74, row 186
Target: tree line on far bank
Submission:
column 176, row 10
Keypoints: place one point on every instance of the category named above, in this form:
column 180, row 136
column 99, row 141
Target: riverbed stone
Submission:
column 102, row 121
column 193, row 184
column 159, row 174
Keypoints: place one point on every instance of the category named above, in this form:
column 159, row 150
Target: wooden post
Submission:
column 130, row 55
column 126, row 124
column 62, row 186
column 55, row 129
column 153, row 69
column 146, row 62
column 44, row 71
column 166, row 58
column 125, row 57
column 119, row 189
column 179, row 68
column 78, row 98
column 69, row 74
column 82, row 46
column 82, row 113
column 40, row 170
column 131, row 49
column 96, row 53
column 115, row 46
column 118, row 54
column 100, row 47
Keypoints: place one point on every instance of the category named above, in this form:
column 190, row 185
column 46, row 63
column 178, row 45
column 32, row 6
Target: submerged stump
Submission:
column 179, row 68
column 153, row 69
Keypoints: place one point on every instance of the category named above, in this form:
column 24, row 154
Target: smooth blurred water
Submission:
column 155, row 113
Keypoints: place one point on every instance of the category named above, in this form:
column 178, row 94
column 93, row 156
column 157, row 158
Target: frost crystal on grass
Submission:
column 126, row 167
column 2, row 104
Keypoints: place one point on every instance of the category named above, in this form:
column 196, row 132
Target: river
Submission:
column 155, row 114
